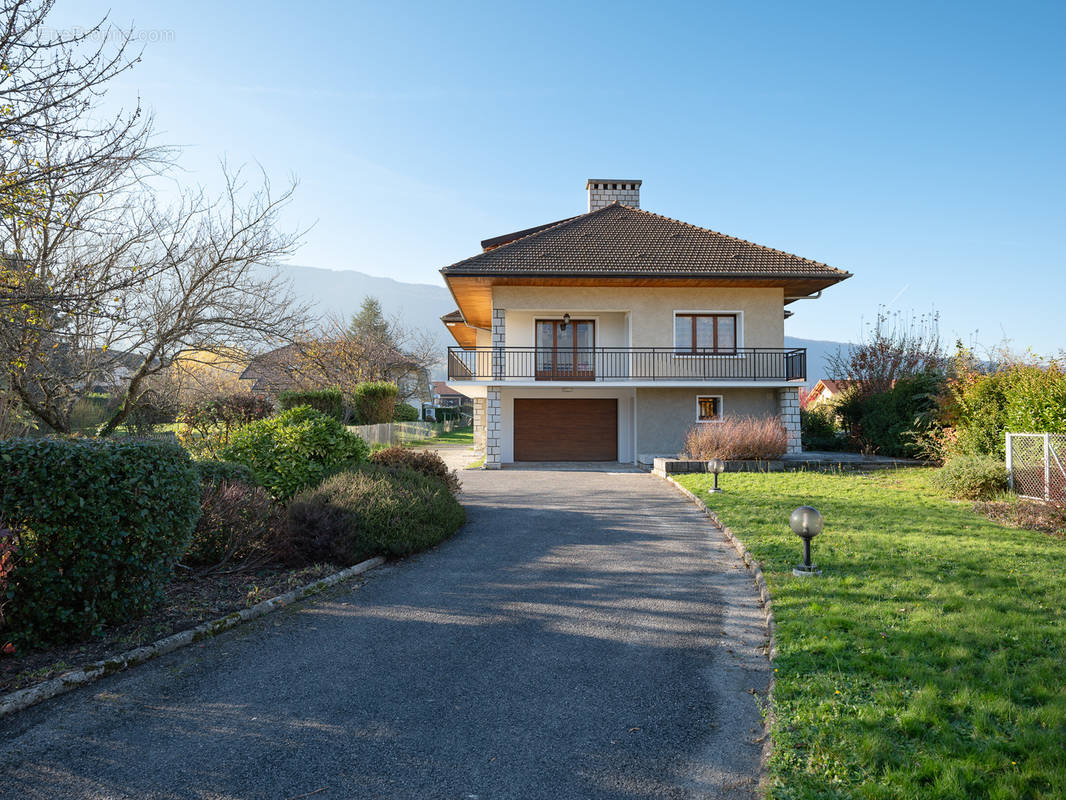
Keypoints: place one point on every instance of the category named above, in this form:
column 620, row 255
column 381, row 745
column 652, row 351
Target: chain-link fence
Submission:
column 1035, row 464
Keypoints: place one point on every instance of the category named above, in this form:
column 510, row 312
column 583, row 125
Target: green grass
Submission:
column 456, row 436
column 930, row 659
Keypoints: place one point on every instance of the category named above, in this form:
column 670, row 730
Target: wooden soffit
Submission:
column 473, row 294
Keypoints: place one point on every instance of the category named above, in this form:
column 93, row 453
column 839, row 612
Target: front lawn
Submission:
column 930, row 659
column 456, row 436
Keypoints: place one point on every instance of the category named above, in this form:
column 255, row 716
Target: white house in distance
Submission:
column 826, row 389
column 606, row 336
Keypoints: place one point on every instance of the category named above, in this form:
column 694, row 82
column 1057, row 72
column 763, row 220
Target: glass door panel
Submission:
column 585, row 341
column 564, row 349
column 545, row 346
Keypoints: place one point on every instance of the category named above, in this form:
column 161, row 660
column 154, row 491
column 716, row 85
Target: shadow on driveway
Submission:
column 585, row 635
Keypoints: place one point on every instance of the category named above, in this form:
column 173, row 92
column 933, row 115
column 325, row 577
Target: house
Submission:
column 606, row 336
column 444, row 396
column 337, row 362
column 826, row 389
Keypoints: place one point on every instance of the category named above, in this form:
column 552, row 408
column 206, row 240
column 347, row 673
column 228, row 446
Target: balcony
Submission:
column 620, row 364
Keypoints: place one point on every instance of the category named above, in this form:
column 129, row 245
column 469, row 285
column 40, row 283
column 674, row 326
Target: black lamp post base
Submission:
column 803, row 571
column 713, row 491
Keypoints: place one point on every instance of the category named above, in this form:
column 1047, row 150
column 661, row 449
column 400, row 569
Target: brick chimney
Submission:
column 604, row 191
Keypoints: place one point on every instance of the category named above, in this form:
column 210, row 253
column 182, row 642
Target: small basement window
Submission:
column 709, row 408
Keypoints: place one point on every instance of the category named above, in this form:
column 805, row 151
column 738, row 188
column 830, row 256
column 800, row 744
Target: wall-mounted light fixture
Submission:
column 566, row 321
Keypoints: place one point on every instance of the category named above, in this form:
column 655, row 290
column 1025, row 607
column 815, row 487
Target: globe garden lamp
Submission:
column 717, row 466
column 806, row 523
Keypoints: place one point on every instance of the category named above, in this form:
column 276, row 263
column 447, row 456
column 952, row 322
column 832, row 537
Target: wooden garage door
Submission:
column 584, row 429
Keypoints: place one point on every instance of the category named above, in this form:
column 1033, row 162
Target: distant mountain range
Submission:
column 421, row 305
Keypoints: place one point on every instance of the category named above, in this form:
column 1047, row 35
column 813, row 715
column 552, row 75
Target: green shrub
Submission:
column 820, row 430
column 374, row 401
column 426, row 462
column 207, row 425
column 1021, row 398
column 888, row 422
column 405, row 412
column 972, row 477
column 329, row 401
column 294, row 450
column 238, row 523
column 371, row 511
column 224, row 472
column 98, row 525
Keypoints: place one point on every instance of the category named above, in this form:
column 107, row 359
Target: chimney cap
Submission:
column 636, row 183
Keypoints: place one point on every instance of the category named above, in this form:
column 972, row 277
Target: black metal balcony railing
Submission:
column 626, row 364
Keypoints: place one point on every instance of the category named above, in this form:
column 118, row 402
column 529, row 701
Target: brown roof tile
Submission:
column 622, row 241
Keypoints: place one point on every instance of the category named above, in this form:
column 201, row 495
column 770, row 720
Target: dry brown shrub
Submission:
column 737, row 438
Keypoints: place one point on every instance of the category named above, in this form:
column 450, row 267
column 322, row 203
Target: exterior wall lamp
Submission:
column 566, row 321
column 806, row 523
column 717, row 466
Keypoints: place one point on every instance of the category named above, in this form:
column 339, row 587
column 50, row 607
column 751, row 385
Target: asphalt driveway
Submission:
column 586, row 635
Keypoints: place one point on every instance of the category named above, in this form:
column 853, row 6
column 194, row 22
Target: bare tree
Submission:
column 893, row 347
column 212, row 289
column 51, row 131
column 369, row 347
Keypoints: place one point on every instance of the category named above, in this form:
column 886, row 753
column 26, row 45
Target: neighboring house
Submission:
column 272, row 372
column 607, row 336
column 444, row 396
column 280, row 369
column 826, row 389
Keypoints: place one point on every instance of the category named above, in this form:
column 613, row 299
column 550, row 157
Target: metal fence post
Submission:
column 1010, row 464
column 1047, row 467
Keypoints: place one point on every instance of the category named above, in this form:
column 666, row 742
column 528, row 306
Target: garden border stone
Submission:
column 20, row 699
column 755, row 568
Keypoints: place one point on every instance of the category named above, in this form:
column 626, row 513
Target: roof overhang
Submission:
column 473, row 293
column 464, row 334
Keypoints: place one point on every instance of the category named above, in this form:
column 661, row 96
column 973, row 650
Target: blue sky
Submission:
column 921, row 146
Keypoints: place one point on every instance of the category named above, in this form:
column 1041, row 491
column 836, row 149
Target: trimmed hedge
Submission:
column 405, row 412
column 375, row 401
column 295, row 450
column 98, row 526
column 426, row 462
column 371, row 511
column 329, row 401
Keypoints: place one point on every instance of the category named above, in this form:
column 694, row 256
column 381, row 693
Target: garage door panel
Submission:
column 571, row 429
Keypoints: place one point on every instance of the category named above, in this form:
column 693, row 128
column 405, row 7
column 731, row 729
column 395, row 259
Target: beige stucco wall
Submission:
column 650, row 311
column 664, row 416
column 611, row 330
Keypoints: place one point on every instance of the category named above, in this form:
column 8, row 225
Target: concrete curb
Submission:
column 24, row 698
column 764, row 594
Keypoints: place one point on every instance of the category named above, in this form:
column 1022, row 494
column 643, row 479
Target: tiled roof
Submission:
column 453, row 316
column 618, row 240
column 441, row 388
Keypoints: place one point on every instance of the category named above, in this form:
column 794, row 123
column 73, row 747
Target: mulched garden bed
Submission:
column 189, row 601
